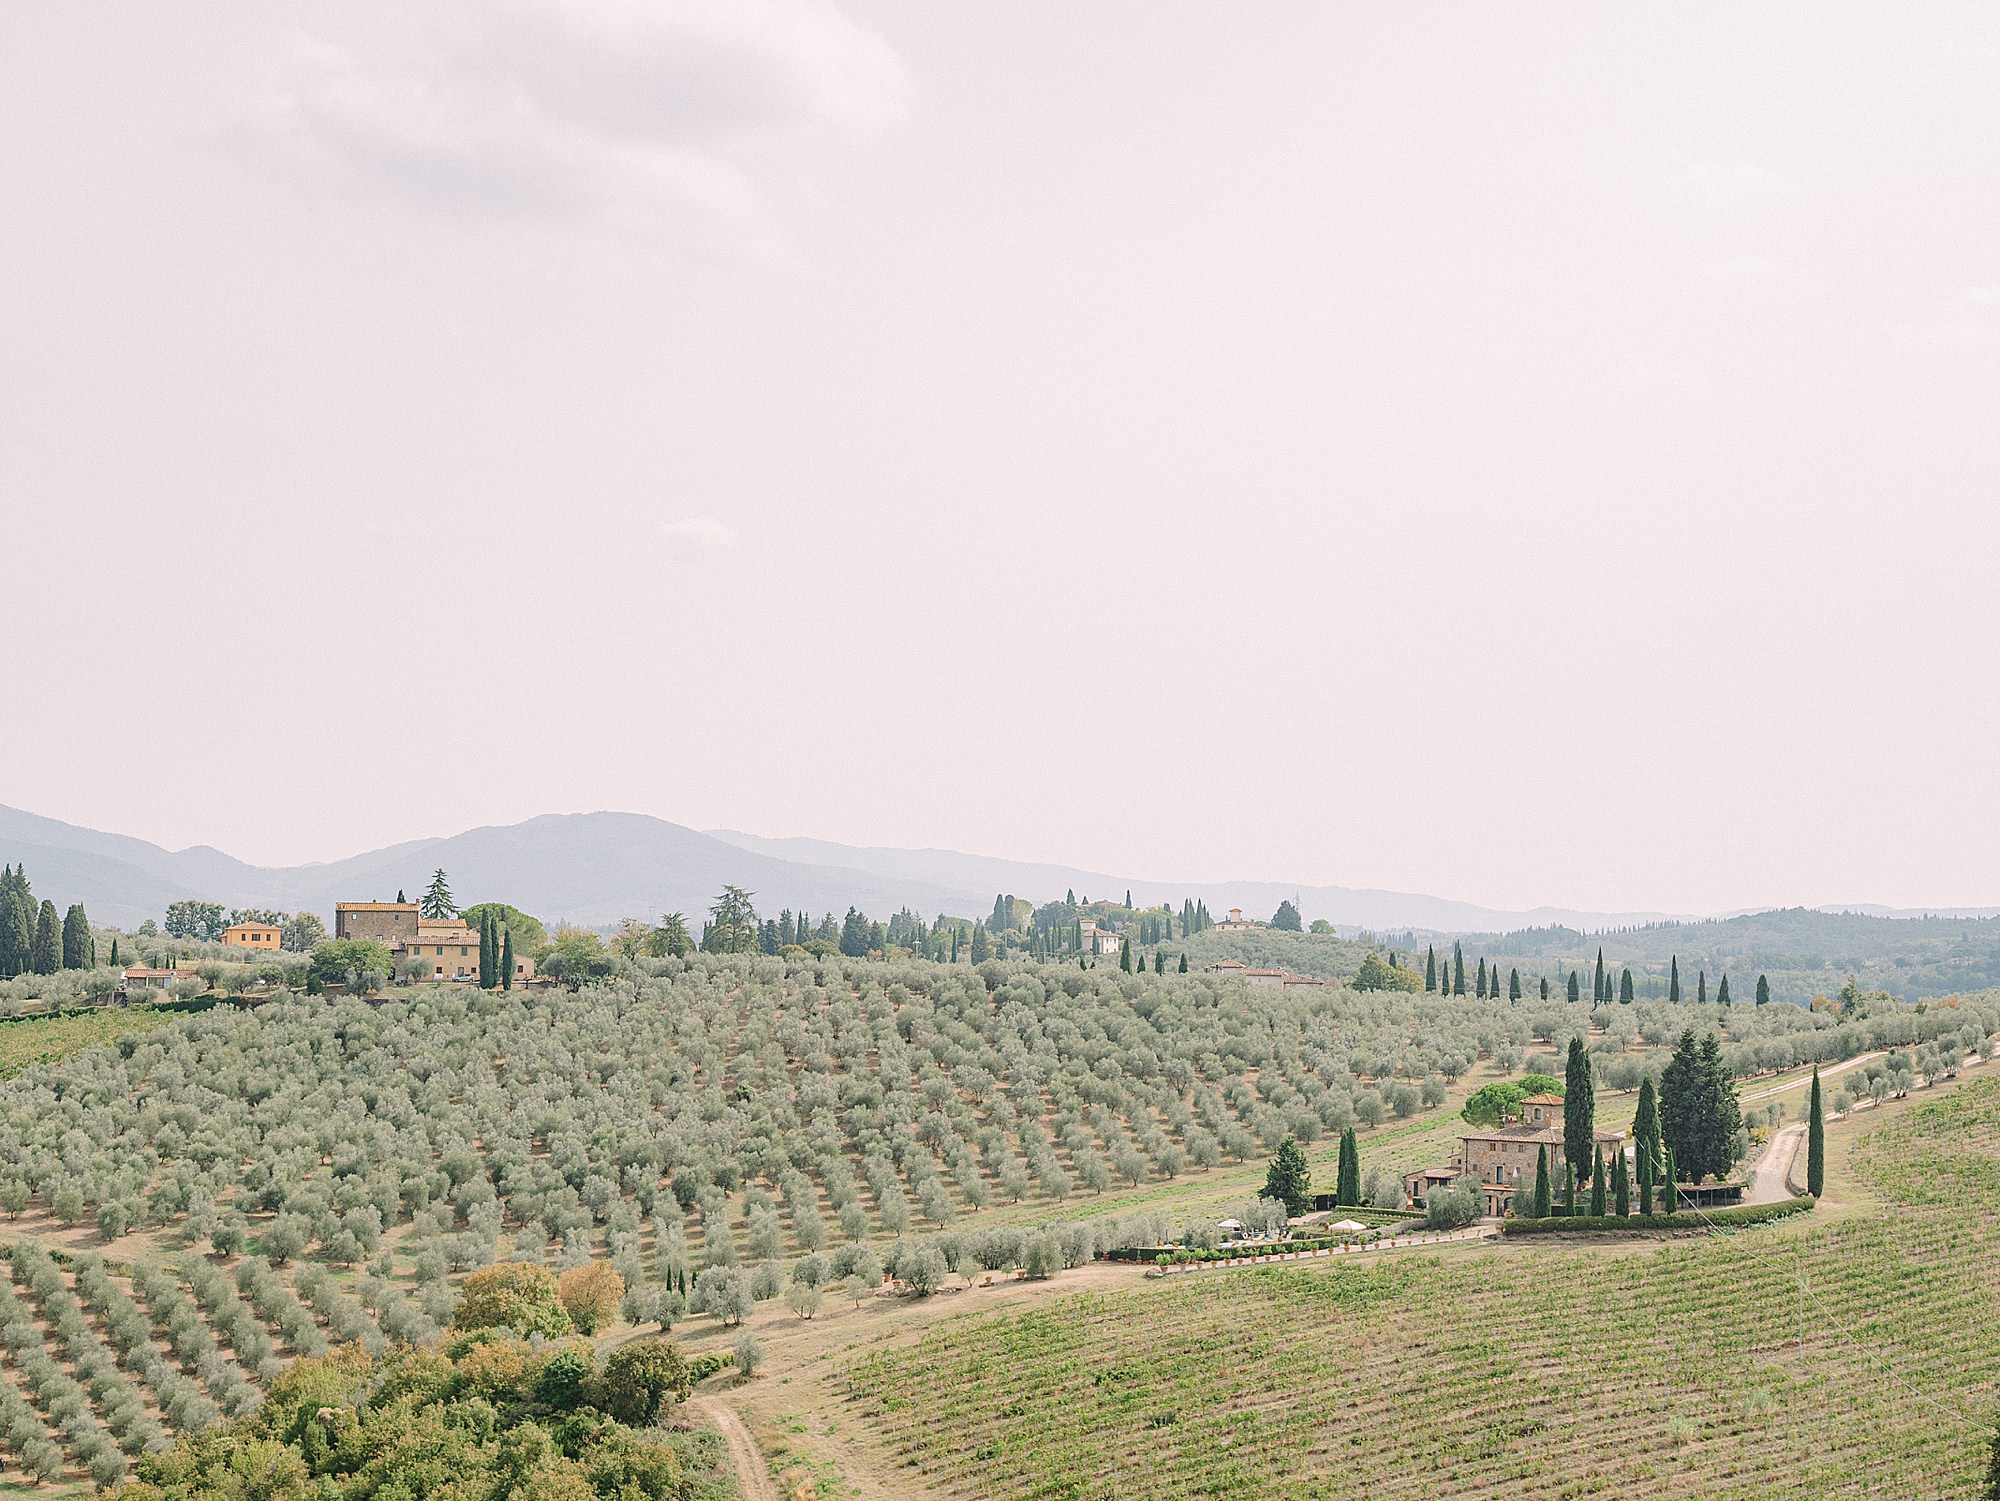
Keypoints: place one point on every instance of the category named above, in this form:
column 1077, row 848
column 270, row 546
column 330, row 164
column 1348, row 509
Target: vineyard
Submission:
column 215, row 1193
column 1671, row 1372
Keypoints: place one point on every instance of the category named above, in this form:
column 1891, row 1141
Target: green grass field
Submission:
column 29, row 1040
column 1660, row 1370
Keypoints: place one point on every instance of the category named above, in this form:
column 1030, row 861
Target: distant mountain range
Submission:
column 595, row 868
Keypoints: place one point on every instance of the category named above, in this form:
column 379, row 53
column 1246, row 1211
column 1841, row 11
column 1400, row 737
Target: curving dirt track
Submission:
column 752, row 1474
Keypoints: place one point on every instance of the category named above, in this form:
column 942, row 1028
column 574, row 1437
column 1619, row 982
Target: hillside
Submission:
column 1804, row 953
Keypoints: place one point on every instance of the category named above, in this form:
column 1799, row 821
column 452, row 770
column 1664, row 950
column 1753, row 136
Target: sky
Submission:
column 1540, row 455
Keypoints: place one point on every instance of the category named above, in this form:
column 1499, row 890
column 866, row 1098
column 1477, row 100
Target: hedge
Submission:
column 1686, row 1219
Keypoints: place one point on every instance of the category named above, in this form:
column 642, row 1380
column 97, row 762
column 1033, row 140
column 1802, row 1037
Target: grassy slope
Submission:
column 1475, row 1373
column 49, row 1039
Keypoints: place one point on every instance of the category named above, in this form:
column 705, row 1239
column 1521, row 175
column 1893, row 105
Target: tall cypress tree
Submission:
column 1347, row 1182
column 1579, row 1106
column 1575, row 990
column 1430, row 970
column 1183, row 968
column 1670, row 1193
column 1621, row 1185
column 1545, row 987
column 1625, row 988
column 79, row 948
column 1125, row 955
column 1596, row 1183
column 1763, row 991
column 1513, row 985
column 506, row 958
column 1569, row 1188
column 1722, row 991
column 1542, row 1204
column 1599, row 991
column 1457, row 970
column 1701, row 987
column 45, row 956
column 1816, row 1143
column 1674, row 980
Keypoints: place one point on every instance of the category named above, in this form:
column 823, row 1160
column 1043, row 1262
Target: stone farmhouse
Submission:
column 1503, row 1157
column 450, row 945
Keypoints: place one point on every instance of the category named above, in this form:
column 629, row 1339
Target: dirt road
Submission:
column 751, row 1471
column 1767, row 1178
column 1824, row 1074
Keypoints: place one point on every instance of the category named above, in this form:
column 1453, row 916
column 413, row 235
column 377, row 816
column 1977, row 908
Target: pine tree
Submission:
column 1722, row 992
column 45, row 956
column 1542, row 1204
column 1575, row 989
column 1625, row 988
column 1430, row 970
column 1289, row 1179
column 1347, row 1183
column 1816, row 1143
column 79, row 948
column 1674, row 981
column 436, row 903
column 1596, row 1182
column 1621, row 1185
column 1579, row 1104
column 506, row 958
column 1513, row 985
column 1763, row 991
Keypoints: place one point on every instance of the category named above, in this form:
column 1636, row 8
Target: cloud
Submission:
column 697, row 536
column 620, row 114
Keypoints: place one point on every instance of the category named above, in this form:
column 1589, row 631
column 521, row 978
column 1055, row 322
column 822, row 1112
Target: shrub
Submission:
column 1453, row 1207
column 749, row 1355
column 590, row 1295
column 1686, row 1219
column 641, row 1379
column 517, row 1295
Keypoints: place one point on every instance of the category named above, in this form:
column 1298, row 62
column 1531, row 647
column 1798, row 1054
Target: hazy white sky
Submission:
column 1522, row 455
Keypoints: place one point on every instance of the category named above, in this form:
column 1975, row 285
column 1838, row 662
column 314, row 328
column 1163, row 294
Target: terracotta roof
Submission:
column 1543, row 1099
column 1228, row 964
column 1515, row 1133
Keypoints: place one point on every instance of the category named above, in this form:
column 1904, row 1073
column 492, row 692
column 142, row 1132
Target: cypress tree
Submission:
column 1625, row 988
column 45, row 957
column 1545, row 987
column 1621, row 1185
column 1457, row 970
column 1816, row 1143
column 1579, row 1105
column 79, row 949
column 1670, row 1194
column 1763, row 990
column 506, row 958
column 1646, row 1133
column 114, row 953
column 1599, row 991
column 1125, row 955
column 1542, row 1205
column 1513, row 985
column 1430, row 970
column 1347, row 1183
column 1701, row 987
column 486, row 951
column 1159, row 961
column 1575, row 989
column 1674, row 980
column 1183, row 968
column 1569, row 1188
column 1722, row 992
column 1479, row 985
column 1596, row 1183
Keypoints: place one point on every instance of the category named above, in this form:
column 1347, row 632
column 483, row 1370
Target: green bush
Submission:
column 1686, row 1219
